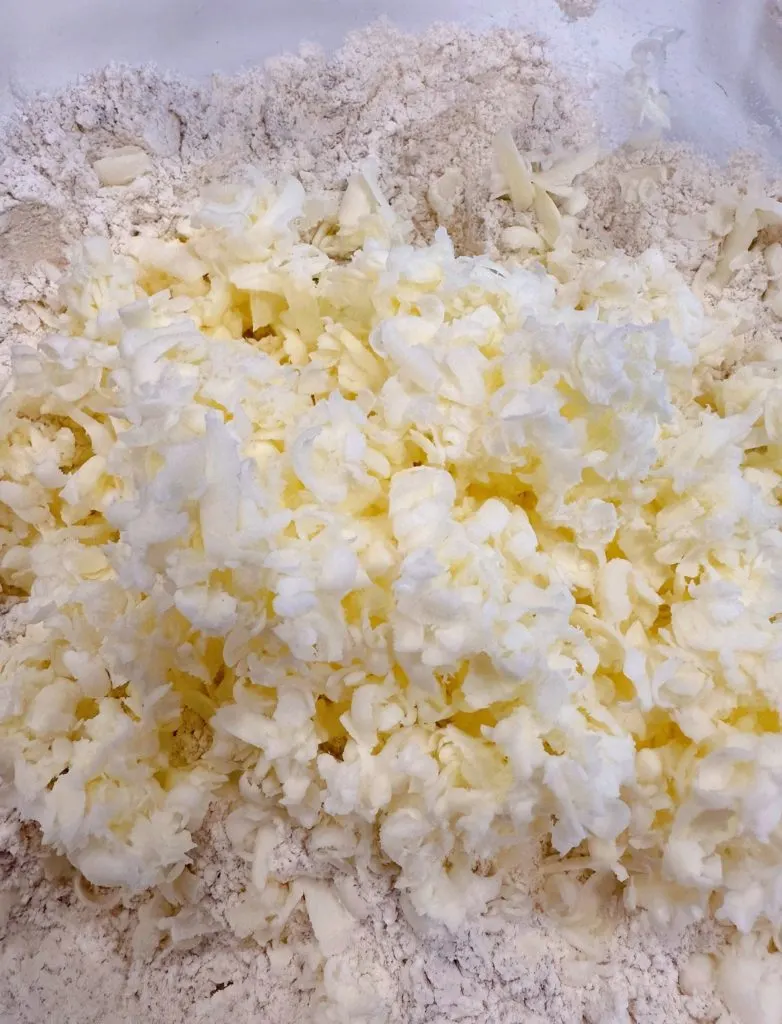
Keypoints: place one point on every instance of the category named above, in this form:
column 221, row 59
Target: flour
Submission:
column 426, row 109
column 657, row 197
column 419, row 109
column 578, row 8
column 63, row 960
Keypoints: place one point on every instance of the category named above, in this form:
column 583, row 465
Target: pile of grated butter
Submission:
column 436, row 552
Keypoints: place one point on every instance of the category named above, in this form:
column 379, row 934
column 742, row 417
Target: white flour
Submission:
column 418, row 108
column 64, row 961
column 578, row 8
column 427, row 110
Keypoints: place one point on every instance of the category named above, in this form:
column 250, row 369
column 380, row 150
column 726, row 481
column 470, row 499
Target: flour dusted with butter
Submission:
column 515, row 964
column 426, row 110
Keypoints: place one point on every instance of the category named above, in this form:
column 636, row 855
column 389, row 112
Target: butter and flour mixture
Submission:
column 266, row 924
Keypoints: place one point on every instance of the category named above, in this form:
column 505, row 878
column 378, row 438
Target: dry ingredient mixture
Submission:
column 578, row 8
column 126, row 150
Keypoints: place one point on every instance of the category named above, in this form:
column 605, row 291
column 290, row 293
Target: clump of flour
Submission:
column 578, row 8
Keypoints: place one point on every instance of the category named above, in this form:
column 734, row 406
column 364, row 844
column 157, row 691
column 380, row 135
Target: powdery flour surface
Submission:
column 426, row 109
column 66, row 960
